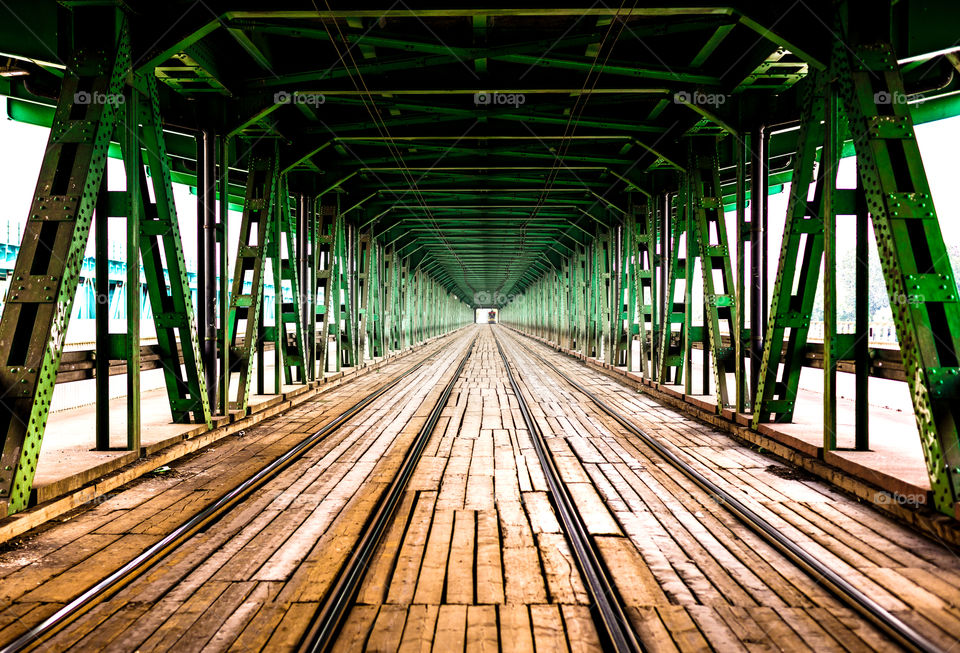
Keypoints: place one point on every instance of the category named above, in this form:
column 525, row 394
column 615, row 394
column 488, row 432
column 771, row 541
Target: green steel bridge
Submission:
column 587, row 170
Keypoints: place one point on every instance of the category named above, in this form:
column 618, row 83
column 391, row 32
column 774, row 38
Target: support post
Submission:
column 206, row 261
column 223, row 234
column 742, row 394
column 758, row 192
column 828, row 154
column 134, row 169
column 862, row 316
column 102, row 272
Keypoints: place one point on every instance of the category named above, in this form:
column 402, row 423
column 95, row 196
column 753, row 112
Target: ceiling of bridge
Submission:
column 486, row 142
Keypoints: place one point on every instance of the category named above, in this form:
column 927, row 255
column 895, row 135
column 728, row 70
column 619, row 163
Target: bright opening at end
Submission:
column 488, row 315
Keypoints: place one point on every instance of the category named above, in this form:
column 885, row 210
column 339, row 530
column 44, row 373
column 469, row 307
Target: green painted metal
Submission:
column 643, row 272
column 282, row 250
column 246, row 294
column 920, row 282
column 135, row 198
column 162, row 249
column 710, row 234
column 800, row 255
column 674, row 332
column 37, row 309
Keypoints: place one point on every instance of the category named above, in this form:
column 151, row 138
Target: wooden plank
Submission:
column 516, row 632
column 378, row 577
column 482, row 636
column 489, row 568
column 288, row 633
column 356, row 629
column 387, row 629
column 564, row 584
column 460, row 566
column 581, row 631
column 521, row 567
column 451, row 632
column 418, row 631
column 404, row 580
column 634, row 580
column 548, row 631
column 433, row 569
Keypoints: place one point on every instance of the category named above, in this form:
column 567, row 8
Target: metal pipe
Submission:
column 758, row 180
column 223, row 234
column 102, row 315
column 209, row 280
column 302, row 254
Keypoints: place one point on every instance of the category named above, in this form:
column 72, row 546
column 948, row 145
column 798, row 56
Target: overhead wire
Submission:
column 394, row 151
column 570, row 127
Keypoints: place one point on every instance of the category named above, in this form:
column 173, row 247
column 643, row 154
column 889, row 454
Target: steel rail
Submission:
column 338, row 599
column 607, row 608
column 841, row 588
column 156, row 552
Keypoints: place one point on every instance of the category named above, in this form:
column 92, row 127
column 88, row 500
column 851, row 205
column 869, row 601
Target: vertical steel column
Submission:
column 829, row 217
column 742, row 397
column 758, row 193
column 207, row 260
column 102, row 354
column 862, row 335
column 303, row 297
column 224, row 270
column 280, row 209
column 656, row 286
column 133, row 164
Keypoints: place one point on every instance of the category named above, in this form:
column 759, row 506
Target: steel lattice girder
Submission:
column 283, row 252
column 246, row 303
column 172, row 311
column 920, row 282
column 801, row 253
column 710, row 233
column 673, row 343
column 37, row 311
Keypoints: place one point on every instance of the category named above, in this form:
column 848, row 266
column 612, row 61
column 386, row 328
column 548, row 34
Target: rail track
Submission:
column 611, row 620
column 322, row 632
column 889, row 623
column 155, row 553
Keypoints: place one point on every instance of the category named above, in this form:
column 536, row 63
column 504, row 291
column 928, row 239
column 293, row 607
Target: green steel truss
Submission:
column 676, row 326
column 920, row 282
column 370, row 291
column 246, row 297
column 94, row 104
column 323, row 260
column 710, row 233
column 644, row 253
column 798, row 272
column 287, row 332
column 38, row 305
column 339, row 326
column 161, row 249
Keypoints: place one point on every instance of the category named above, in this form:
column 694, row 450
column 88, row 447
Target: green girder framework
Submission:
column 399, row 167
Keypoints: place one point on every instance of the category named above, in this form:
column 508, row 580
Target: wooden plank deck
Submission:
column 475, row 558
